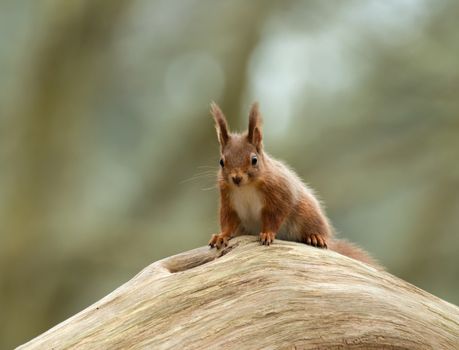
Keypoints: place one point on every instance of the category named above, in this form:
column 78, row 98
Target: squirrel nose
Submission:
column 237, row 179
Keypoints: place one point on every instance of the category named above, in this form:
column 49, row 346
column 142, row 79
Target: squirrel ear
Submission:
column 220, row 124
column 254, row 133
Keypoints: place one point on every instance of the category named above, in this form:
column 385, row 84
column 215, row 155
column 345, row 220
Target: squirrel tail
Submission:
column 353, row 251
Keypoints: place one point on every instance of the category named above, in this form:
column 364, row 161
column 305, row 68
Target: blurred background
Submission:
column 108, row 153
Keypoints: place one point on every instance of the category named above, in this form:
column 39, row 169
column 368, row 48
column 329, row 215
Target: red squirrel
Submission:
column 261, row 195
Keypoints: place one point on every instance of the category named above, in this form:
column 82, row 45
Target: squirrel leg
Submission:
column 229, row 222
column 219, row 240
column 316, row 240
column 310, row 224
column 271, row 221
column 266, row 238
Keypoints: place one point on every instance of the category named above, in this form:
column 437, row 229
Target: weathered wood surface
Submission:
column 249, row 296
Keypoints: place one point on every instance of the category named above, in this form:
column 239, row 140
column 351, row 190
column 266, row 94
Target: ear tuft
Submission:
column 220, row 124
column 254, row 134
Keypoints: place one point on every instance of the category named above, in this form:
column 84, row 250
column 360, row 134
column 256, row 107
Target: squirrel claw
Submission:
column 266, row 238
column 218, row 241
column 316, row 241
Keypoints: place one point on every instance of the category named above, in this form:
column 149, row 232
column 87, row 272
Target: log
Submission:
column 248, row 296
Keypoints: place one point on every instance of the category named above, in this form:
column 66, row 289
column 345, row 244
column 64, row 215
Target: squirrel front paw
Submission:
column 218, row 240
column 316, row 241
column 266, row 238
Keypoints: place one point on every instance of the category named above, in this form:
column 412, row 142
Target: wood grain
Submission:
column 247, row 296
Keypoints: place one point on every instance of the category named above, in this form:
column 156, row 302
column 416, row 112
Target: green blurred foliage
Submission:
column 108, row 153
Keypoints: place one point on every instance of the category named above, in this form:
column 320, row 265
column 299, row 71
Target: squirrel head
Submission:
column 241, row 155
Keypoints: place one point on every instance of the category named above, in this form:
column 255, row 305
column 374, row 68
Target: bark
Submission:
column 248, row 296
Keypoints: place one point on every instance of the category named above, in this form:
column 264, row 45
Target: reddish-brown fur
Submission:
column 265, row 197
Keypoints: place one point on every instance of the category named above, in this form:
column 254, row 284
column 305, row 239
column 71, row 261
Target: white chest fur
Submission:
column 247, row 201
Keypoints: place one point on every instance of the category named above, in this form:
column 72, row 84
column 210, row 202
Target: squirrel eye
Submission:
column 222, row 163
column 254, row 160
